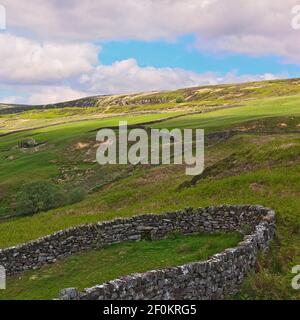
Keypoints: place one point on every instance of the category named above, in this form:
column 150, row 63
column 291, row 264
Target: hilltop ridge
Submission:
column 202, row 96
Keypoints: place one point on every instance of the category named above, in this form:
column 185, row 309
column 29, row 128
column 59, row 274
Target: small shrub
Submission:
column 180, row 99
column 39, row 196
column 76, row 195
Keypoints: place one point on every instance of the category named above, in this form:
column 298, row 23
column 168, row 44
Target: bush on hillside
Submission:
column 179, row 99
column 76, row 195
column 39, row 196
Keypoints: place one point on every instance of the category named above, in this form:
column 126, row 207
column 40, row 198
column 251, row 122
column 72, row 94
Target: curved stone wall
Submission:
column 211, row 279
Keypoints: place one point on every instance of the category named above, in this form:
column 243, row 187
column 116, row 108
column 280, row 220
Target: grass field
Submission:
column 58, row 153
column 95, row 267
column 260, row 164
column 228, row 118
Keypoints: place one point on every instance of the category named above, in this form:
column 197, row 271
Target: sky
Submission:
column 59, row 50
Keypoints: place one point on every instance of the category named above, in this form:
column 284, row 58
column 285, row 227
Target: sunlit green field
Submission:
column 227, row 118
column 60, row 142
column 260, row 164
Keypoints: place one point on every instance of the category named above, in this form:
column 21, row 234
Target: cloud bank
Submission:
column 49, row 52
column 255, row 27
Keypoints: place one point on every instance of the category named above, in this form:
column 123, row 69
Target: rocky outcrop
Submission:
column 28, row 143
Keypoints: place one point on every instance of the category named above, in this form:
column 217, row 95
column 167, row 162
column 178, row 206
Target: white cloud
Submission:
column 234, row 77
column 59, row 61
column 253, row 27
column 13, row 100
column 127, row 77
column 55, row 94
column 28, row 61
column 44, row 95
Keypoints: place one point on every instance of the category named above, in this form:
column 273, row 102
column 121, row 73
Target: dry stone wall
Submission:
column 211, row 279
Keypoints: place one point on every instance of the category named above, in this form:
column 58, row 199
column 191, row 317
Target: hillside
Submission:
column 191, row 97
column 191, row 100
column 252, row 156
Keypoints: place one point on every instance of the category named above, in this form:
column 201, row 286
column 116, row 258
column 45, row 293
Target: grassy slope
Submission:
column 92, row 209
column 96, row 267
column 228, row 118
column 55, row 117
column 47, row 162
column 195, row 99
column 266, row 171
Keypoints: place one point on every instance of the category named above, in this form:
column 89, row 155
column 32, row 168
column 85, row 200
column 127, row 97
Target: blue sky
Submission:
column 183, row 54
column 58, row 50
